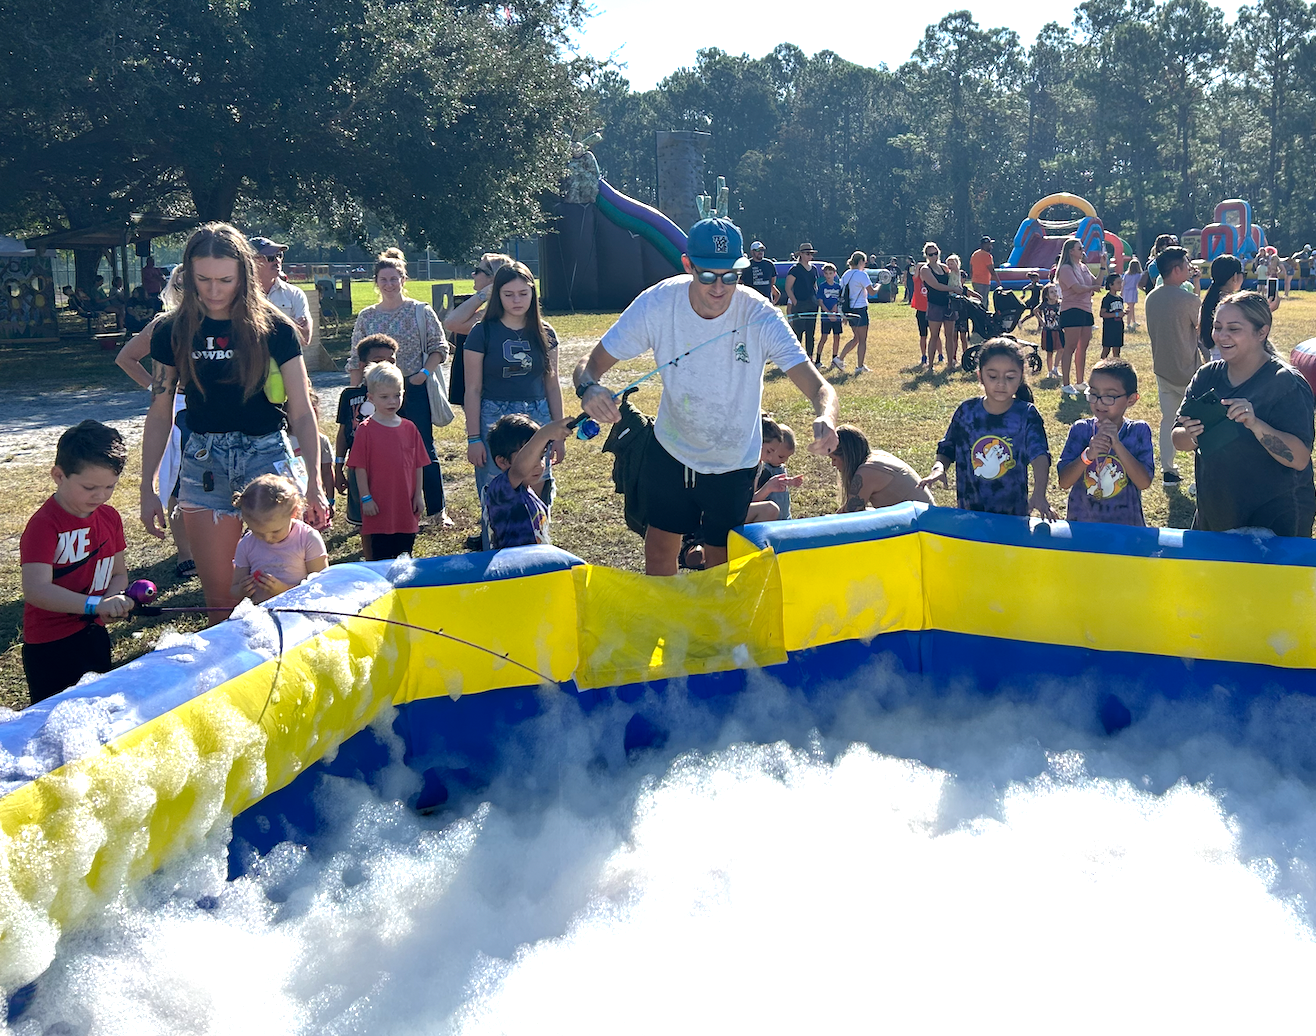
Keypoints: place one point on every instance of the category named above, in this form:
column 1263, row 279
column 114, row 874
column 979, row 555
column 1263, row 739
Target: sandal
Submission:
column 185, row 569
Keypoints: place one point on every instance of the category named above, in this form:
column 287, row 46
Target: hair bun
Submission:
column 392, row 253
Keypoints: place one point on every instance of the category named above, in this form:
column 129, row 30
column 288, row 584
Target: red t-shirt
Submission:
column 919, row 299
column 81, row 553
column 390, row 457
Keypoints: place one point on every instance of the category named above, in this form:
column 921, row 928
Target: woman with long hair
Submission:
column 1077, row 286
column 871, row 478
column 1226, row 279
column 1253, row 469
column 511, row 368
column 936, row 278
column 239, row 361
column 422, row 349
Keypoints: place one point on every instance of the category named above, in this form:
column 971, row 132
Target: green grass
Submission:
column 900, row 408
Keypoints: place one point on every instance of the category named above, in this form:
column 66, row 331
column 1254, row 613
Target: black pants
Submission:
column 58, row 664
column 804, row 325
column 416, row 409
column 385, row 545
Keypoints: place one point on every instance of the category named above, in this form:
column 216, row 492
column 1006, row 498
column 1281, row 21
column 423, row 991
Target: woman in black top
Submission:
column 240, row 364
column 937, row 278
column 802, row 298
column 1254, row 469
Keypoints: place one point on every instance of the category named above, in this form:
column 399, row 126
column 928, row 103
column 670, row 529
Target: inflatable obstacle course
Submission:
column 106, row 782
column 1037, row 243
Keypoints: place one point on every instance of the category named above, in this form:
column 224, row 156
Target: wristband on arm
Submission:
column 367, row 498
column 90, row 607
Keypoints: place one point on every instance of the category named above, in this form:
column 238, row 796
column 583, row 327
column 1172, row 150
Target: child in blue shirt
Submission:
column 829, row 303
column 992, row 438
column 515, row 513
column 1108, row 461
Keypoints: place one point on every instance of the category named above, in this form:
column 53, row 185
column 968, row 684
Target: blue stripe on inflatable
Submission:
column 486, row 566
column 1006, row 530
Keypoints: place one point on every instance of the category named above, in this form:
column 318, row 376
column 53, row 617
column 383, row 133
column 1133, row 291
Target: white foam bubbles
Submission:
column 907, row 859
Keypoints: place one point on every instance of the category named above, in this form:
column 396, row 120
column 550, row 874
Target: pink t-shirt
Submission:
column 1074, row 282
column 285, row 560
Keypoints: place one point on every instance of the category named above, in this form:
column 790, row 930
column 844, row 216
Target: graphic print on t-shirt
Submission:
column 1105, row 478
column 518, row 361
column 993, row 456
column 216, row 349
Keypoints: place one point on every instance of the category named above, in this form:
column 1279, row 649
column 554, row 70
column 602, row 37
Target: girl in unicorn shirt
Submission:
column 994, row 439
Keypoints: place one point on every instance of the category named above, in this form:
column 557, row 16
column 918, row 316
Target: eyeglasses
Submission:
column 273, row 258
column 1105, row 400
column 712, row 277
column 484, row 270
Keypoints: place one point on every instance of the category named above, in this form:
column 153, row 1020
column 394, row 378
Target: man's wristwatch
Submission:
column 584, row 387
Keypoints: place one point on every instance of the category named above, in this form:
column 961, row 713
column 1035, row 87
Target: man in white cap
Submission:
column 714, row 335
column 761, row 273
column 288, row 298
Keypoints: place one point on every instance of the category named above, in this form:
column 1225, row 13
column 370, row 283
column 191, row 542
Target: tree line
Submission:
column 447, row 123
column 1153, row 111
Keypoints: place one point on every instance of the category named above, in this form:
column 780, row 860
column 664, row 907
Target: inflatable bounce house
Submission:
column 605, row 247
column 1232, row 233
column 417, row 664
column 29, row 294
column 1037, row 244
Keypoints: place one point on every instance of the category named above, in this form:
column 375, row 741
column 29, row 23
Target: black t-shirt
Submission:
column 222, row 408
column 805, row 287
column 1240, row 485
column 350, row 417
column 760, row 276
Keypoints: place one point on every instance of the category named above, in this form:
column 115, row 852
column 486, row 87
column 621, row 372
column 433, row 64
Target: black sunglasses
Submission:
column 273, row 258
column 484, row 270
column 710, row 277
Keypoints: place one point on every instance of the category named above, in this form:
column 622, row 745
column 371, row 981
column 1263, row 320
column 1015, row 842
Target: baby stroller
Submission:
column 1000, row 324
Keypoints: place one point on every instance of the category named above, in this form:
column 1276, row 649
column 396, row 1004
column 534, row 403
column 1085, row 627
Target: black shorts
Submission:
column 921, row 315
column 388, row 545
column 832, row 323
column 859, row 318
column 1075, row 318
column 58, row 664
column 677, row 499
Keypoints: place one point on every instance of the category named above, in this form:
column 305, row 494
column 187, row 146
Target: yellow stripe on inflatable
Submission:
column 1062, row 198
column 851, row 591
column 1113, row 602
column 636, row 628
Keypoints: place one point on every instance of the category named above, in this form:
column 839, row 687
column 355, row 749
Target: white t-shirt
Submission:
column 855, row 297
column 290, row 299
column 709, row 417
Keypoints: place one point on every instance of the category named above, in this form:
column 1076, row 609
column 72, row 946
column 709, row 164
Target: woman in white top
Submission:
column 421, row 349
column 856, row 290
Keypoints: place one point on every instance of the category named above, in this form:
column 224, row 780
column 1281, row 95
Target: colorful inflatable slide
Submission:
column 434, row 664
column 1037, row 244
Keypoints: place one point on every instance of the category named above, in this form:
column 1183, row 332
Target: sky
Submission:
column 653, row 47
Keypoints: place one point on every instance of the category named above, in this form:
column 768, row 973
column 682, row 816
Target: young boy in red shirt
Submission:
column 388, row 457
column 73, row 569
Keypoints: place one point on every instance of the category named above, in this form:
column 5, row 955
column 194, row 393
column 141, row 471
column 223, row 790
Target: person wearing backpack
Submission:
column 856, row 290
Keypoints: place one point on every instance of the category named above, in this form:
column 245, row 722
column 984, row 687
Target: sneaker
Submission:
column 837, row 364
column 1068, row 390
column 185, row 569
column 1054, row 372
column 1081, row 388
column 861, row 369
column 1192, row 490
column 475, row 542
column 1171, row 478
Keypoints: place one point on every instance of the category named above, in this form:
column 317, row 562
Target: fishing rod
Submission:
column 143, row 592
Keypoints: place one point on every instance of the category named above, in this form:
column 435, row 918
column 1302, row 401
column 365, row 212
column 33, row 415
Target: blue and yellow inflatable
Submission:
column 107, row 782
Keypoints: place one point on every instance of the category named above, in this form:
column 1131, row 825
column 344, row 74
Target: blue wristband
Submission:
column 367, row 498
column 90, row 607
column 425, row 371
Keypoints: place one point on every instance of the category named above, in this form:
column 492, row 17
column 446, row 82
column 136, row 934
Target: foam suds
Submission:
column 887, row 857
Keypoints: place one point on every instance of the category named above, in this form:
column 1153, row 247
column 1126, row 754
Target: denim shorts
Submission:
column 217, row 465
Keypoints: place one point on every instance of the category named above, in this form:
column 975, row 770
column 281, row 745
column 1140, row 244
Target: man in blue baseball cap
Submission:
column 712, row 337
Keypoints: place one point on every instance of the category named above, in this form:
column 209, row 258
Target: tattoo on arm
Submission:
column 855, row 503
column 1276, row 446
column 165, row 379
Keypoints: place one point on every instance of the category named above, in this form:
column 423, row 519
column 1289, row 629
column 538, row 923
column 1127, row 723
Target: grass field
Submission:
column 901, row 408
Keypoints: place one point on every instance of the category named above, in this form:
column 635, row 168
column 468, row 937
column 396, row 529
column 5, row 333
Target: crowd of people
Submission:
column 234, row 464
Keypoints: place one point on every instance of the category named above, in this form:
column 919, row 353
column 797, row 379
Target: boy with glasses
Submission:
column 714, row 336
column 1108, row 460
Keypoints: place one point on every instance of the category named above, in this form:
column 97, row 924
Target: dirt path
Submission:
column 31, row 422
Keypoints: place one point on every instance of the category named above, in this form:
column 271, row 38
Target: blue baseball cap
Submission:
column 716, row 244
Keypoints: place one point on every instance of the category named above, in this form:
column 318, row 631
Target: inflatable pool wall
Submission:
column 111, row 780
